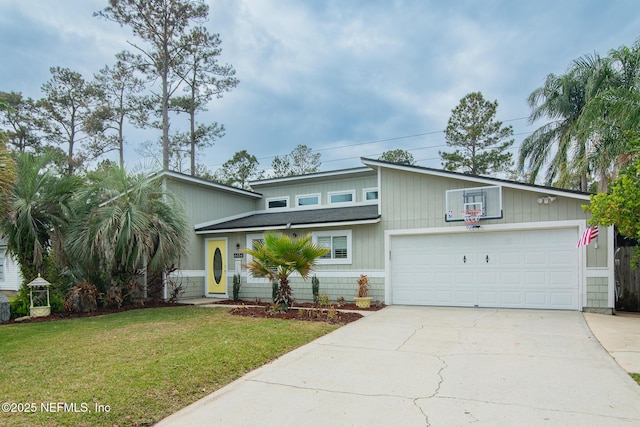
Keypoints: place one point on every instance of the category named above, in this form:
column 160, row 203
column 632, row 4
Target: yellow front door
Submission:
column 217, row 266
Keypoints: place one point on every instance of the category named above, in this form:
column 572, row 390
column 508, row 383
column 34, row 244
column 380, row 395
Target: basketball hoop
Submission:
column 472, row 217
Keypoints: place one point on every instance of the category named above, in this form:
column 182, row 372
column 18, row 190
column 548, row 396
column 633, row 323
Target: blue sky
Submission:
column 338, row 75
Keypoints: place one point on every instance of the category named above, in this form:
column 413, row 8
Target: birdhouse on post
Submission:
column 39, row 296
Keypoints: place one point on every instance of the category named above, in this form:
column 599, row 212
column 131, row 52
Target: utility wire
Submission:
column 397, row 138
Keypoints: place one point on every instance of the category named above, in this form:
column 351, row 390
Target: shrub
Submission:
column 113, row 297
column 20, row 304
column 57, row 303
column 315, row 288
column 82, row 298
column 236, row 287
column 176, row 290
column 323, row 300
column 274, row 291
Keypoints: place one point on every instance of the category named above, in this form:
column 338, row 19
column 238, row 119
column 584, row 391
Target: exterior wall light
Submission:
column 546, row 200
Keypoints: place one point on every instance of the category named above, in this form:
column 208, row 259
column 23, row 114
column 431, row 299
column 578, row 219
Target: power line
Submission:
column 382, row 140
column 357, row 144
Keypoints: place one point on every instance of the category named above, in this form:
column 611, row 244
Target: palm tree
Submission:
column 126, row 225
column 558, row 144
column 38, row 213
column 612, row 115
column 594, row 110
column 279, row 256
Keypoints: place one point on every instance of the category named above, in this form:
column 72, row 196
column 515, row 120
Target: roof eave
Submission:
column 206, row 183
column 552, row 191
column 284, row 179
column 292, row 226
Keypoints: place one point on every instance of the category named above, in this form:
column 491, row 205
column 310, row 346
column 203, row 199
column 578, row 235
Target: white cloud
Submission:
column 332, row 73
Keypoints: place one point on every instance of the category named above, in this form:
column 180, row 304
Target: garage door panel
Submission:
column 527, row 269
column 443, row 297
column 488, row 297
column 535, row 278
column 485, row 257
column 444, row 278
column 536, row 299
column 487, row 279
column 561, row 257
column 442, row 259
column 511, row 278
column 537, row 239
column 561, row 299
column 511, row 298
column 403, row 277
column 561, row 279
column 405, row 296
column 510, row 259
column 463, row 277
column 464, row 297
column 535, row 258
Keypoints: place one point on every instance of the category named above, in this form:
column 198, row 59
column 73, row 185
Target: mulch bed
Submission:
column 346, row 306
column 300, row 311
column 313, row 315
column 101, row 311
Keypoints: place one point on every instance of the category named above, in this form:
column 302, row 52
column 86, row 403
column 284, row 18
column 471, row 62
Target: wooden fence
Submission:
column 627, row 280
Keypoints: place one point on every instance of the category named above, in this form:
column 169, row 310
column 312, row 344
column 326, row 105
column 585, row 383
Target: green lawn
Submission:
column 636, row 377
column 140, row 365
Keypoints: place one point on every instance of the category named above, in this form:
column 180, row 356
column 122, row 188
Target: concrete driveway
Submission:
column 428, row 366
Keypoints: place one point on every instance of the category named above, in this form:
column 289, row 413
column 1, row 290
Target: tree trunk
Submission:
column 165, row 121
column 121, row 140
column 283, row 299
column 165, row 100
column 193, row 141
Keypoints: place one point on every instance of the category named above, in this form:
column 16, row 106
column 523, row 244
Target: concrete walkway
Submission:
column 620, row 336
column 428, row 366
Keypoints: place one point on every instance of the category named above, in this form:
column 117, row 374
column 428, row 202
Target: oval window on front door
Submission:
column 217, row 266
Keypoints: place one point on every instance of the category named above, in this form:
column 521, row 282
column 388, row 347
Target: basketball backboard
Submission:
column 486, row 199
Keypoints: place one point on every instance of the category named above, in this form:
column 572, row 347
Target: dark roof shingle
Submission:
column 293, row 217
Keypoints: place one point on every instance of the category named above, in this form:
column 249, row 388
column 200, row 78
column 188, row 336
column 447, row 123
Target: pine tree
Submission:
column 482, row 140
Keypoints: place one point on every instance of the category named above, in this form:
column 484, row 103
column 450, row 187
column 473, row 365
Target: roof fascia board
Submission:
column 292, row 227
column 488, row 181
column 203, row 182
column 225, row 219
column 285, row 179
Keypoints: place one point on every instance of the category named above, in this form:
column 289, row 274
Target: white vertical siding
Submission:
column 11, row 277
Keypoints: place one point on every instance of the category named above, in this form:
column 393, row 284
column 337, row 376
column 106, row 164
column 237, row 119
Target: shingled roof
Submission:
column 297, row 218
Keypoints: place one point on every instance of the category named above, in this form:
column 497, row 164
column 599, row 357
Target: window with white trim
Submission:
column 252, row 239
column 277, row 202
column 369, row 195
column 307, row 200
column 339, row 244
column 336, row 197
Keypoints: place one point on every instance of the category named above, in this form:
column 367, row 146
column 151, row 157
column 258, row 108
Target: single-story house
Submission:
column 404, row 227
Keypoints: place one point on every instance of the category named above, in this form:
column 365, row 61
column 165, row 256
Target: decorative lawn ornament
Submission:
column 38, row 289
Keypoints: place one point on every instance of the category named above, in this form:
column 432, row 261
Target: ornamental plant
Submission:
column 315, row 288
column 278, row 256
column 236, row 287
column 363, row 286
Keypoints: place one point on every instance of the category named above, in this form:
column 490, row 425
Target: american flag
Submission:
column 589, row 234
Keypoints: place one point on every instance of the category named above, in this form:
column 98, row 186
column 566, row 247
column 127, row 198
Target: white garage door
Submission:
column 516, row 269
